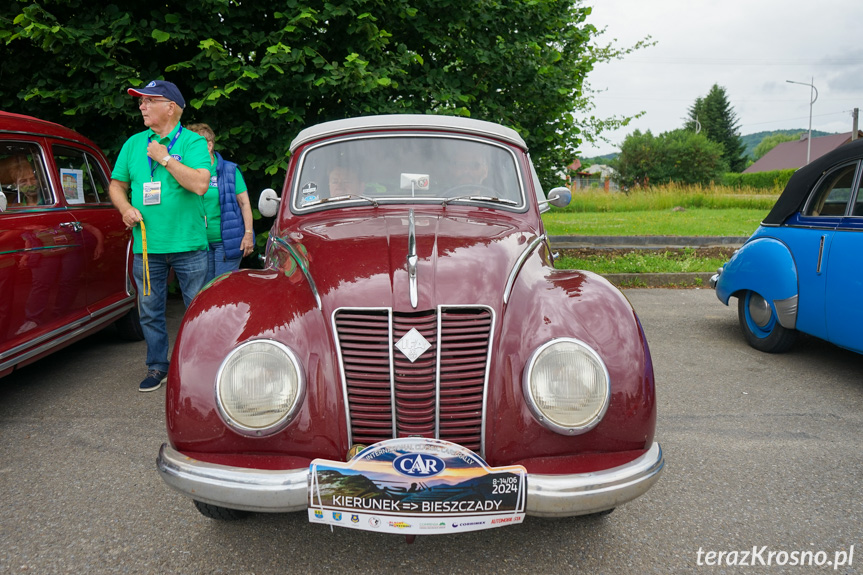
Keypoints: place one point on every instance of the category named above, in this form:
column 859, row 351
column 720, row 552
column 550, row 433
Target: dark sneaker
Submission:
column 154, row 380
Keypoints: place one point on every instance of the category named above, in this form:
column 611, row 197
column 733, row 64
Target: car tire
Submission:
column 221, row 513
column 129, row 326
column 760, row 325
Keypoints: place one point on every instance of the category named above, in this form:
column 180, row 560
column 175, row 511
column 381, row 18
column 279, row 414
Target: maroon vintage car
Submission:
column 409, row 360
column 63, row 247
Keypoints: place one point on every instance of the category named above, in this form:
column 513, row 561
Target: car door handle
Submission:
column 76, row 226
column 820, row 255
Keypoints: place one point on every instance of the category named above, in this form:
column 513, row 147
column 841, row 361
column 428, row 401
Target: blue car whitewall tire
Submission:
column 760, row 325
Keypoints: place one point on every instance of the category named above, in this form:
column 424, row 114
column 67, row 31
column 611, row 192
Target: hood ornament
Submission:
column 412, row 260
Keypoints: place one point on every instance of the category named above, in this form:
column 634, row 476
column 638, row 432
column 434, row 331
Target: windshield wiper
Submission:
column 492, row 199
column 373, row 201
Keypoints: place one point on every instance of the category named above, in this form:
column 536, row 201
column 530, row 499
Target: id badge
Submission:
column 152, row 193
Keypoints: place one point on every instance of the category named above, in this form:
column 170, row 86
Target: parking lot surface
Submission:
column 763, row 465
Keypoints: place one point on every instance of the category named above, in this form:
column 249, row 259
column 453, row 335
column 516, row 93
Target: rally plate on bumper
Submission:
column 416, row 486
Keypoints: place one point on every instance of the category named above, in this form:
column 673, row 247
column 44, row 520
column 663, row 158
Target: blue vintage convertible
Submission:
column 802, row 269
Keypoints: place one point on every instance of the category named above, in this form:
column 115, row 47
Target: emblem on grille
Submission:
column 413, row 345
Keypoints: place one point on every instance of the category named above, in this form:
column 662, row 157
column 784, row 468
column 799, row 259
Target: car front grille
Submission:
column 439, row 395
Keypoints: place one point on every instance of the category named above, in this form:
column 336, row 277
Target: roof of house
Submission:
column 792, row 155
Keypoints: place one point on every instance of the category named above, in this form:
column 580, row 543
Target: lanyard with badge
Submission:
column 153, row 190
column 152, row 197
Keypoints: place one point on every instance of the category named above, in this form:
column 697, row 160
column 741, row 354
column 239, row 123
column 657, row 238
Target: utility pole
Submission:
column 854, row 116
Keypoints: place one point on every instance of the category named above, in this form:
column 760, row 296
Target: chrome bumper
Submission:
column 714, row 279
column 283, row 491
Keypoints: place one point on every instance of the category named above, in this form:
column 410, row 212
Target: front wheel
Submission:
column 221, row 513
column 760, row 325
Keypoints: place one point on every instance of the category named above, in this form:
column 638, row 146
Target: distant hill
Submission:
column 599, row 159
column 752, row 140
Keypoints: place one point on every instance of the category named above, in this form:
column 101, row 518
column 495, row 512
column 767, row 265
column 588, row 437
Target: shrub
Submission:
column 774, row 180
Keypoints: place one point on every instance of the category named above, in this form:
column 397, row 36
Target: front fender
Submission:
column 763, row 265
column 547, row 304
column 238, row 307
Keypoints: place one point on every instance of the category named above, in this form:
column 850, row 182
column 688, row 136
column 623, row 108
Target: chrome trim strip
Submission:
column 390, row 351
column 287, row 490
column 302, row 267
column 437, row 374
column 489, row 347
column 341, row 361
column 820, row 255
column 786, row 312
column 80, row 327
column 510, row 282
column 412, row 259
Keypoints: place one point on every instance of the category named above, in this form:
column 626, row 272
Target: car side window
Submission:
column 81, row 176
column 831, row 196
column 22, row 176
column 858, row 203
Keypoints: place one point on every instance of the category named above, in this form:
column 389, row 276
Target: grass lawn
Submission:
column 644, row 261
column 663, row 211
column 690, row 222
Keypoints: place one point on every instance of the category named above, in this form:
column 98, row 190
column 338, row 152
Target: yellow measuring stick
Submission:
column 147, row 285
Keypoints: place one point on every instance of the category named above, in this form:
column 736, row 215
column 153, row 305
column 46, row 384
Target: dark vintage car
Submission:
column 409, row 360
column 800, row 271
column 63, row 246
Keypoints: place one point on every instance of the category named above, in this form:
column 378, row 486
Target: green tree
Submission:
column 719, row 123
column 770, row 142
column 680, row 156
column 259, row 72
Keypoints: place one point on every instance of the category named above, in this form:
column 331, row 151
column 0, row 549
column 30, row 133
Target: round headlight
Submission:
column 259, row 386
column 566, row 385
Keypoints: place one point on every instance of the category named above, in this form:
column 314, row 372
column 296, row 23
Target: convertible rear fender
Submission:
column 238, row 307
column 763, row 265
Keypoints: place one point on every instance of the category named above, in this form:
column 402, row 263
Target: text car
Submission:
column 409, row 360
column 800, row 271
column 63, row 246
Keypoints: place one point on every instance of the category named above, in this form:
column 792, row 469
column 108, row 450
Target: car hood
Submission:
column 363, row 262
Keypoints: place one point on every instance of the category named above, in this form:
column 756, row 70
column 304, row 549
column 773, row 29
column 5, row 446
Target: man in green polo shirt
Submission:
column 157, row 185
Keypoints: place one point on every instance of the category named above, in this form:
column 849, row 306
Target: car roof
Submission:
column 28, row 125
column 408, row 122
column 798, row 187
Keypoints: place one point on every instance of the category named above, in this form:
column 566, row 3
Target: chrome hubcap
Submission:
column 759, row 310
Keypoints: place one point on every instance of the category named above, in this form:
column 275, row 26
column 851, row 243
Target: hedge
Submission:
column 775, row 179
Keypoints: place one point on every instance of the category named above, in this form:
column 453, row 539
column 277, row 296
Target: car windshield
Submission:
column 398, row 169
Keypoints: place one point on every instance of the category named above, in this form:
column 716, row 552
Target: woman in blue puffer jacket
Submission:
column 228, row 210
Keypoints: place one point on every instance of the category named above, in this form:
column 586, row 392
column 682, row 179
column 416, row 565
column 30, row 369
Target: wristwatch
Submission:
column 164, row 161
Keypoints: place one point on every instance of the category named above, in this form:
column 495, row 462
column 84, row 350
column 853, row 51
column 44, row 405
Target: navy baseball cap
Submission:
column 160, row 88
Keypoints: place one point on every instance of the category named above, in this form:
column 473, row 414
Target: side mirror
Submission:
column 268, row 203
column 559, row 197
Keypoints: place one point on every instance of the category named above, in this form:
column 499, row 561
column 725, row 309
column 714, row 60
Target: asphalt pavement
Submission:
column 762, row 454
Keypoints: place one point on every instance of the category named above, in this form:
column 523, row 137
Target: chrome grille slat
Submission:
column 441, row 394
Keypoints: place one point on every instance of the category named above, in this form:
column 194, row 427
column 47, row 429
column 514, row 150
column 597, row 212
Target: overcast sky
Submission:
column 748, row 47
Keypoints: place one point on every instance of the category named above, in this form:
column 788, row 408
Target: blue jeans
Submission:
column 191, row 271
column 218, row 263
